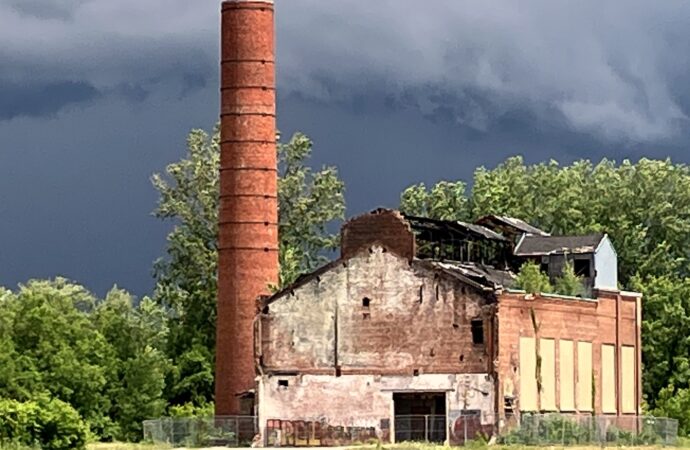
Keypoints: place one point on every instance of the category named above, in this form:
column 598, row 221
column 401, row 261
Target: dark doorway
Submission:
column 420, row 416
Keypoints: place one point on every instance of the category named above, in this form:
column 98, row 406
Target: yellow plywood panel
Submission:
column 608, row 379
column 628, row 403
column 528, row 378
column 584, row 376
column 566, row 375
column 547, row 350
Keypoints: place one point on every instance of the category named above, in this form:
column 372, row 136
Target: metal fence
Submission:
column 424, row 428
column 220, row 431
column 564, row 430
column 457, row 429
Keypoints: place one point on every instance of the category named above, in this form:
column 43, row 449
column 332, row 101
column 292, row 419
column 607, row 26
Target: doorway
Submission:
column 420, row 416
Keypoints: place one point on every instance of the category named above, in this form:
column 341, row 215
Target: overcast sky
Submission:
column 96, row 95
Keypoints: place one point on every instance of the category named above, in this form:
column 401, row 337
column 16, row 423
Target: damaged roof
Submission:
column 483, row 277
column 454, row 226
column 532, row 245
column 518, row 224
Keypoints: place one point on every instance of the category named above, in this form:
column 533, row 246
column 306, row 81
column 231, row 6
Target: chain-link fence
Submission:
column 220, row 431
column 564, row 430
column 422, row 428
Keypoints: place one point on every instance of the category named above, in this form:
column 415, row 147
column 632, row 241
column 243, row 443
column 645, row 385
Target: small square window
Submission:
column 366, row 302
column 283, row 383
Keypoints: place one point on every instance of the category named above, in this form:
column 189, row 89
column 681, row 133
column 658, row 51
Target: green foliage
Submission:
column 307, row 202
column 50, row 424
column 569, row 283
column 532, row 280
column 445, row 201
column 186, row 278
column 191, row 410
column 104, row 358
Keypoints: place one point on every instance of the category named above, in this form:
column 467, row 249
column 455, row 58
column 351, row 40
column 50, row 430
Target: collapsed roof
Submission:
column 532, row 245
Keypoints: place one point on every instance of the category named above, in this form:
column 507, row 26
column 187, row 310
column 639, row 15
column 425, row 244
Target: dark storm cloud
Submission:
column 95, row 95
column 604, row 67
column 43, row 99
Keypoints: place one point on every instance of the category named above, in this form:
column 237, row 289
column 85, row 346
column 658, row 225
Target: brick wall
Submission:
column 377, row 313
column 386, row 227
column 576, row 320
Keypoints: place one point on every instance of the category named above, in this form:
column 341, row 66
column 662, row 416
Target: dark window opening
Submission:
column 415, row 372
column 581, row 267
column 420, row 416
column 338, row 371
column 366, row 302
column 366, row 316
column 283, row 383
column 462, row 358
column 265, row 310
column 477, row 332
column 544, row 267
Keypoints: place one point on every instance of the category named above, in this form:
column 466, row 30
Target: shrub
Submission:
column 50, row 424
column 531, row 279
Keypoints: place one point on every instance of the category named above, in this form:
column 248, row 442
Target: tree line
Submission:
column 115, row 361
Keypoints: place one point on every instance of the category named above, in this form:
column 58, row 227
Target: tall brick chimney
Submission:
column 248, row 216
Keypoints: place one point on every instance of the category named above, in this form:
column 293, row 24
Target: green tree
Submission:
column 569, row 283
column 445, row 201
column 532, row 280
column 60, row 353
column 138, row 365
column 186, row 278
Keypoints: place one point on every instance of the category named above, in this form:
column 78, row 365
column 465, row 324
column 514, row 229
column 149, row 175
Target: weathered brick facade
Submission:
column 336, row 347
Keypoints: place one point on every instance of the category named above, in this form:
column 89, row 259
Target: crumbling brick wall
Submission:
column 343, row 340
column 610, row 320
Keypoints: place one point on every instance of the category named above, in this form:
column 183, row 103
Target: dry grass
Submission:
column 123, row 446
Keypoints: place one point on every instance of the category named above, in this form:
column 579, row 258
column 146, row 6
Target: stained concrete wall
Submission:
column 366, row 400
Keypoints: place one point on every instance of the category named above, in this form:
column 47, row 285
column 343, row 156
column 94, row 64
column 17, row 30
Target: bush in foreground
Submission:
column 47, row 424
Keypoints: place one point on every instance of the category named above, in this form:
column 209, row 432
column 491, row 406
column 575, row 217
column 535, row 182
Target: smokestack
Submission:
column 248, row 216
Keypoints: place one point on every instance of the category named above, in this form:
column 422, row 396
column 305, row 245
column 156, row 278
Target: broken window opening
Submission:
column 477, row 331
column 581, row 267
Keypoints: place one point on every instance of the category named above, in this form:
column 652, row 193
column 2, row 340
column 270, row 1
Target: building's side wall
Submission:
column 365, row 402
column 370, row 325
column 578, row 329
column 606, row 266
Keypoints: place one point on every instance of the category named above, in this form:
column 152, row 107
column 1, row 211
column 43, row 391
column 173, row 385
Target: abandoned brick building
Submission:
column 417, row 317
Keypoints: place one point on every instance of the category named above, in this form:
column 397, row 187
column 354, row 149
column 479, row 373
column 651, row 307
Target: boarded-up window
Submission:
column 547, row 351
column 566, row 373
column 584, row 376
column 608, row 379
column 628, row 380
column 528, row 378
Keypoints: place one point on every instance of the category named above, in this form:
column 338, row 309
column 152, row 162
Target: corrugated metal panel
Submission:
column 628, row 380
column 608, row 379
column 547, row 350
column 584, row 376
column 528, row 378
column 566, row 372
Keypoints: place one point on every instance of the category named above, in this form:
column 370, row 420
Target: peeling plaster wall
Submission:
column 412, row 333
column 416, row 319
column 366, row 400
